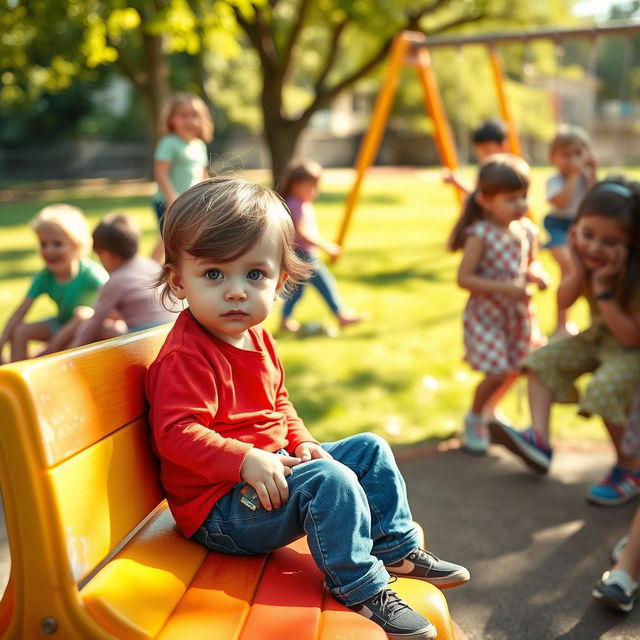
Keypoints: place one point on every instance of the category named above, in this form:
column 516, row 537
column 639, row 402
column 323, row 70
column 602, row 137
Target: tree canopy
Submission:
column 287, row 59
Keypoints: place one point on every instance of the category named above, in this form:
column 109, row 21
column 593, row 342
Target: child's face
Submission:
column 489, row 148
column 305, row 190
column 229, row 297
column 599, row 240
column 56, row 248
column 570, row 159
column 505, row 207
column 185, row 121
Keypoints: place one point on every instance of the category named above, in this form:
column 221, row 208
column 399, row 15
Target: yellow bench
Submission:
column 95, row 553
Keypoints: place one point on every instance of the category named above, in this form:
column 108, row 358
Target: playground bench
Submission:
column 95, row 553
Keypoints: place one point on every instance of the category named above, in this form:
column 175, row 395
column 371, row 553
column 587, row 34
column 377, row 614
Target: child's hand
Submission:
column 541, row 280
column 604, row 278
column 572, row 244
column 309, row 450
column 518, row 290
column 333, row 250
column 591, row 163
column 266, row 473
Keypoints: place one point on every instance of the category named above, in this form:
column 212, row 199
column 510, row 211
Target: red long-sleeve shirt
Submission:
column 210, row 403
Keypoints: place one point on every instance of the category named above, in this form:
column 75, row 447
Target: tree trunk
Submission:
column 156, row 92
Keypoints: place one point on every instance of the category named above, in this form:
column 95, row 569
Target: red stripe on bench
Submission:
column 288, row 602
column 217, row 599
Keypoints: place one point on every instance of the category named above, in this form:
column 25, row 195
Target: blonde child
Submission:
column 127, row 301
column 181, row 158
column 69, row 278
column 498, row 267
column 299, row 188
column 570, row 152
column 604, row 248
column 242, row 473
column 618, row 587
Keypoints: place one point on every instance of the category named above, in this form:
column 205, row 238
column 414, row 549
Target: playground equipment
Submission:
column 412, row 49
column 95, row 552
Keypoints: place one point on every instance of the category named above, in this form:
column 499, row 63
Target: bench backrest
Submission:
column 77, row 472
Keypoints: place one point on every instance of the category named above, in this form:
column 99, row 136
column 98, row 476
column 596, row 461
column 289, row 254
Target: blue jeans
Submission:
column 322, row 279
column 354, row 510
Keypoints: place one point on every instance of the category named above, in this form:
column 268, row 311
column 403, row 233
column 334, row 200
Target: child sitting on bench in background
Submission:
column 128, row 301
column 242, row 473
column 570, row 152
column 69, row 278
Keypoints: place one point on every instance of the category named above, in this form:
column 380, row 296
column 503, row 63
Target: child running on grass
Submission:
column 242, row 473
column 69, row 278
column 605, row 268
column 499, row 265
column 181, row 158
column 299, row 188
column 128, row 294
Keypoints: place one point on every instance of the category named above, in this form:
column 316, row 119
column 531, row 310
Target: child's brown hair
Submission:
column 298, row 170
column 569, row 135
column 117, row 233
column 619, row 199
column 221, row 219
column 499, row 173
column 206, row 122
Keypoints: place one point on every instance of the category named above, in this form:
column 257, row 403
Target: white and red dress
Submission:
column 499, row 331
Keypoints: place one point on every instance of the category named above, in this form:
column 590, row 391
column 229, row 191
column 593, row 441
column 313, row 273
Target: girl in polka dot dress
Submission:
column 499, row 268
column 605, row 253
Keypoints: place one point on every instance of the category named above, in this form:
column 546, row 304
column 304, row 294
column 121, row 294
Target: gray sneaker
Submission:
column 616, row 590
column 424, row 565
column 397, row 619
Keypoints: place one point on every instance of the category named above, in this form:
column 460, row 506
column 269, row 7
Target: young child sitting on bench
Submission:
column 241, row 472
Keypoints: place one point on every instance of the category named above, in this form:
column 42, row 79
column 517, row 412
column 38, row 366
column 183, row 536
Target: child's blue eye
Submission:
column 255, row 274
column 213, row 274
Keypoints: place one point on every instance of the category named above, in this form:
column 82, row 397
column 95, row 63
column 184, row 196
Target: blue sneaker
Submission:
column 616, row 590
column 525, row 444
column 476, row 437
column 620, row 486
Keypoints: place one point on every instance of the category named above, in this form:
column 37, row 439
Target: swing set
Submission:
column 411, row 48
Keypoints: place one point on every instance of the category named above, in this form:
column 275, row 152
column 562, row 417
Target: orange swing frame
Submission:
column 411, row 48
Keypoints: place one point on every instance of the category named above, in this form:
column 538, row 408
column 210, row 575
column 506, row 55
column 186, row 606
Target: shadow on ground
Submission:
column 534, row 546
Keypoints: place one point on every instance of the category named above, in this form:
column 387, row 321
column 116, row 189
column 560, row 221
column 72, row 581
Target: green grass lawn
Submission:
column 400, row 374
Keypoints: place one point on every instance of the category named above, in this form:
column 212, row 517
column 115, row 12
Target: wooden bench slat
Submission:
column 94, row 495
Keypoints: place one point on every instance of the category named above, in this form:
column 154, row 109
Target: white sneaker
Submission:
column 476, row 435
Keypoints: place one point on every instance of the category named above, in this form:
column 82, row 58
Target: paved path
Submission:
column 534, row 546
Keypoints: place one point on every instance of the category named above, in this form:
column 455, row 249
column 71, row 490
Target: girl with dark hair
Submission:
column 498, row 267
column 605, row 254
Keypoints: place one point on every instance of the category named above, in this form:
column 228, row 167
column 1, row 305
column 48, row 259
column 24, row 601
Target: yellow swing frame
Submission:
column 410, row 48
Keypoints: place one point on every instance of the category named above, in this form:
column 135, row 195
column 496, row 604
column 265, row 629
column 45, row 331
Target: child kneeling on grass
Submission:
column 242, row 473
